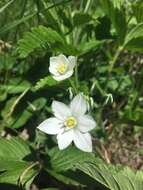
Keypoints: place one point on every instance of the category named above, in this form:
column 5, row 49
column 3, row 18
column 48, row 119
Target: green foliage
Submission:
column 117, row 16
column 117, row 179
column 38, row 37
column 106, row 36
column 12, row 163
column 67, row 159
column 47, row 81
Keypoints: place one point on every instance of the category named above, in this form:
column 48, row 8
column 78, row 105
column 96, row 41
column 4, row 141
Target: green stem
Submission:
column 76, row 77
column 87, row 5
column 73, row 86
column 102, row 92
column 113, row 61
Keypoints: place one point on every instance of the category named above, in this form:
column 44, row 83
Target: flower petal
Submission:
column 51, row 126
column 65, row 139
column 72, row 62
column 61, row 111
column 86, row 123
column 53, row 70
column 64, row 76
column 82, row 141
column 54, row 62
column 78, row 105
column 62, row 58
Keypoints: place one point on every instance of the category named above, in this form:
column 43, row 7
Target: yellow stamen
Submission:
column 70, row 122
column 61, row 68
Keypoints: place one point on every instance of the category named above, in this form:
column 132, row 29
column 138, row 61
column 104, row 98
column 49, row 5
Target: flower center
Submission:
column 61, row 68
column 70, row 122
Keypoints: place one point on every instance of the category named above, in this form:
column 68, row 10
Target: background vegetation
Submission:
column 107, row 38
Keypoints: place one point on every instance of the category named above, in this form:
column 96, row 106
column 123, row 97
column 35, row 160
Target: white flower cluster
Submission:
column 70, row 123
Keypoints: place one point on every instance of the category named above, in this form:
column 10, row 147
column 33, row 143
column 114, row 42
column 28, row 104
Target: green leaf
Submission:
column 15, row 118
column 63, row 178
column 81, row 18
column 39, row 37
column 138, row 11
column 46, row 81
column 15, row 86
column 12, row 164
column 114, row 178
column 14, row 149
column 91, row 45
column 117, row 16
column 62, row 160
column 136, row 32
column 15, row 23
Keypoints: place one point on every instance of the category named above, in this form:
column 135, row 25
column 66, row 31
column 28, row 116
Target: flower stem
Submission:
column 113, row 61
column 76, row 77
column 73, row 86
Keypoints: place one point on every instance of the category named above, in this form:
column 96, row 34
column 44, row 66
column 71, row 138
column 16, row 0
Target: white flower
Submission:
column 70, row 124
column 62, row 67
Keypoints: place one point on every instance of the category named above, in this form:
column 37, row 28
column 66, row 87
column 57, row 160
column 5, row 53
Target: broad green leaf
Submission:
column 113, row 177
column 62, row 160
column 12, row 164
column 14, row 149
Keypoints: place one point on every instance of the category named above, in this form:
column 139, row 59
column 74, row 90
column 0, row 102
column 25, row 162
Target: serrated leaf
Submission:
column 62, row 160
column 38, row 37
column 12, row 164
column 114, row 178
column 46, row 81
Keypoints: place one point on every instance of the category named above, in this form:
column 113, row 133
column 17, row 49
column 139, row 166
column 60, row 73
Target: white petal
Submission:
column 72, row 61
column 55, row 62
column 60, row 110
column 50, row 126
column 54, row 59
column 86, row 123
column 53, row 70
column 62, row 58
column 65, row 139
column 82, row 141
column 78, row 105
column 64, row 76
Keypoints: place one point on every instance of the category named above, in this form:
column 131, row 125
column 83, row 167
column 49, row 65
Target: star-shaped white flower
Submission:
column 70, row 124
column 62, row 67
